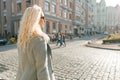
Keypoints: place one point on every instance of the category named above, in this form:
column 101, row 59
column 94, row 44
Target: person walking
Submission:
column 59, row 39
column 64, row 37
column 34, row 53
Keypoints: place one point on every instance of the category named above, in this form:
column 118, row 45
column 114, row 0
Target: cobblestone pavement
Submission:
column 77, row 62
column 73, row 62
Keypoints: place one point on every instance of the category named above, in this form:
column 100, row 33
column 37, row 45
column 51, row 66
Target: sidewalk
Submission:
column 98, row 44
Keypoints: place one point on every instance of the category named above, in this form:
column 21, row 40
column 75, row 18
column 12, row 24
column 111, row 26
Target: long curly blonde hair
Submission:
column 29, row 21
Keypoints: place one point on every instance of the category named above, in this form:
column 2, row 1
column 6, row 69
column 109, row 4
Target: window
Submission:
column 19, row 7
column 4, row 5
column 60, row 11
column 78, row 17
column 54, row 0
column 70, row 16
column 65, row 14
column 48, row 0
column 47, row 6
column 54, row 26
column 70, row 4
column 77, row 8
column 61, row 1
column 66, row 27
column 5, row 20
column 28, row 3
column 60, row 27
column 65, row 2
column 70, row 28
column 53, row 8
column 12, row 8
column 18, row 24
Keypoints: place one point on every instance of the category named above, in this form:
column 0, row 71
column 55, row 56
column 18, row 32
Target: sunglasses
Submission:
column 42, row 17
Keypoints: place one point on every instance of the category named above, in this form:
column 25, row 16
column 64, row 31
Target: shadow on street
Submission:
column 7, row 47
column 3, row 68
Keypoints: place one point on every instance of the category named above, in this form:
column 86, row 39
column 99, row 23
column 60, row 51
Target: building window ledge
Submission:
column 5, row 25
column 18, row 1
column 5, row 10
column 53, row 14
column 19, row 14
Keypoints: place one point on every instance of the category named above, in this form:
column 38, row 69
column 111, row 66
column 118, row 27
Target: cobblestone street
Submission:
column 73, row 62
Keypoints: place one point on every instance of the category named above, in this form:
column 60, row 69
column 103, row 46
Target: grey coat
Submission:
column 35, row 61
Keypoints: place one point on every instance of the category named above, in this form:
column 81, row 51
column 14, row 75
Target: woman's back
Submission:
column 34, row 61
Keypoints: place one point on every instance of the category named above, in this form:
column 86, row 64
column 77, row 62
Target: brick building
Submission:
column 59, row 16
column 5, row 17
column 66, row 16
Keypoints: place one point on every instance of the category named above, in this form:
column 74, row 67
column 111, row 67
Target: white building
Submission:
column 101, row 16
column 94, row 24
column 95, row 15
column 113, row 19
column 89, row 7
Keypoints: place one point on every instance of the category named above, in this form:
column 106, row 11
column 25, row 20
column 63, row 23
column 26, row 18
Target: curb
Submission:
column 101, row 47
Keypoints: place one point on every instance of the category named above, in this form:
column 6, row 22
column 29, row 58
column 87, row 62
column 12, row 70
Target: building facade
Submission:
column 79, row 17
column 6, row 17
column 84, row 16
column 18, row 7
column 66, row 16
column 94, row 25
column 101, row 16
column 89, row 17
column 113, row 19
column 58, row 14
column 0, row 21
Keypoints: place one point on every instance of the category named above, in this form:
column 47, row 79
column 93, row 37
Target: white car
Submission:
column 106, row 33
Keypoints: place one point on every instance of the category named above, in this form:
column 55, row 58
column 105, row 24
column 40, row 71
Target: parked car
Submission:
column 3, row 41
column 106, row 33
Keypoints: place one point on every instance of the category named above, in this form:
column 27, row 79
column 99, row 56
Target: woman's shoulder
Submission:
column 36, row 39
column 42, row 37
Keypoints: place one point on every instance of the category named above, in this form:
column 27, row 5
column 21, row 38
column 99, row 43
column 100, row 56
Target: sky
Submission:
column 111, row 2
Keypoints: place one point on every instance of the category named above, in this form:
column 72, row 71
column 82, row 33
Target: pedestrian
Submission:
column 53, row 37
column 64, row 37
column 59, row 39
column 34, row 52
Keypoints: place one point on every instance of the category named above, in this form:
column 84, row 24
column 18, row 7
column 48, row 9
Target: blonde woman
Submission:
column 33, row 52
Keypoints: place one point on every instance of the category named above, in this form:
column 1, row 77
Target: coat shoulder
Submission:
column 36, row 39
